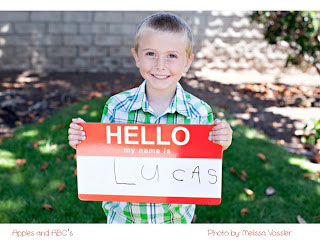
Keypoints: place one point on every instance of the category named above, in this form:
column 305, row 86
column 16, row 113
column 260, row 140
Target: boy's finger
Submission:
column 78, row 120
column 76, row 132
column 224, row 144
column 220, row 141
column 75, row 126
column 220, row 138
column 76, row 137
column 74, row 143
column 222, row 131
column 220, row 125
column 217, row 121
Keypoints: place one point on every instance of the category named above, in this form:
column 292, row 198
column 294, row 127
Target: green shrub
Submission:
column 300, row 29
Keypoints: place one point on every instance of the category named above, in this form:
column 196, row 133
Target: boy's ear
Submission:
column 188, row 64
column 135, row 56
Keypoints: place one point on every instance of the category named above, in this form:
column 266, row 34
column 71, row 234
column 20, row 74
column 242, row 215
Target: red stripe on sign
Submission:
column 148, row 140
column 151, row 199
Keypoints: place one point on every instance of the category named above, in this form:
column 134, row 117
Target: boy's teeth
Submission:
column 162, row 77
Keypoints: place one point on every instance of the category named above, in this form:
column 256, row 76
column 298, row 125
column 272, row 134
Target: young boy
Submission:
column 163, row 52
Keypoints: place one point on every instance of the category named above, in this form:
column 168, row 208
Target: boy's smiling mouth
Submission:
column 160, row 77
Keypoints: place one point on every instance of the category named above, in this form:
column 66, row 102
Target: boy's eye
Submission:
column 150, row 53
column 172, row 56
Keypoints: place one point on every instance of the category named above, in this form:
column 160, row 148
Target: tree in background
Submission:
column 300, row 29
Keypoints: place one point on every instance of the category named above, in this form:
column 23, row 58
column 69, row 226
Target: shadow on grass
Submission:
column 25, row 188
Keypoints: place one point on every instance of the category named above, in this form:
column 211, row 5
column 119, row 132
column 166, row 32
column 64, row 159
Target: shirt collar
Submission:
column 180, row 101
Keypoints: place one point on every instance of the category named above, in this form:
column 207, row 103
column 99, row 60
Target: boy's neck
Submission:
column 159, row 100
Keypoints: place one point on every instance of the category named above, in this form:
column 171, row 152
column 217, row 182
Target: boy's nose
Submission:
column 160, row 64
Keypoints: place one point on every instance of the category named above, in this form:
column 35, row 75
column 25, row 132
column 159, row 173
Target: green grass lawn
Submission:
column 25, row 188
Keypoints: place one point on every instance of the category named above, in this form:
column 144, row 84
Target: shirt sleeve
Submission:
column 208, row 119
column 107, row 114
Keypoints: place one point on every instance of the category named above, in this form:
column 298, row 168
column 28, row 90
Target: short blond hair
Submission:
column 165, row 22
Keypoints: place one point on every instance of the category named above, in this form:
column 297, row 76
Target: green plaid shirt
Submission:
column 132, row 107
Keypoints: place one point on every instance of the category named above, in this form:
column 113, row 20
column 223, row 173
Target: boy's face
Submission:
column 162, row 59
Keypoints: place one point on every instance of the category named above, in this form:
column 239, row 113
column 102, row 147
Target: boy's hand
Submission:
column 221, row 134
column 75, row 133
